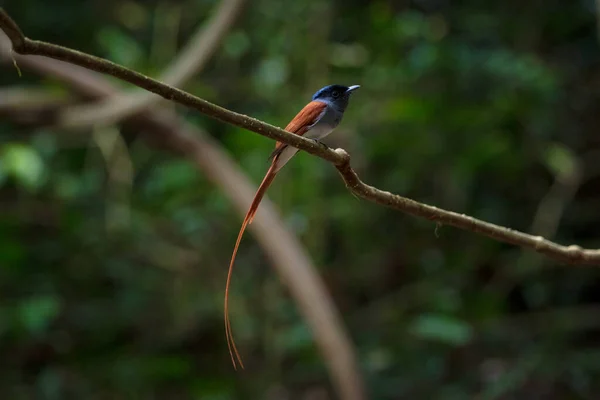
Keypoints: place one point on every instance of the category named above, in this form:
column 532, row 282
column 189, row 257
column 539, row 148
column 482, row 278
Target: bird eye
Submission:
column 335, row 94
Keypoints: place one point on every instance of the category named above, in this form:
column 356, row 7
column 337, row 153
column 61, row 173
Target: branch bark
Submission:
column 339, row 157
column 191, row 60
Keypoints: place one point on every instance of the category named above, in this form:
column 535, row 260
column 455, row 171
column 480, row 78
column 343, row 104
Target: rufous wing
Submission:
column 301, row 122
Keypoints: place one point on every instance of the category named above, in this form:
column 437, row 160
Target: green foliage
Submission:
column 22, row 163
column 442, row 328
column 473, row 106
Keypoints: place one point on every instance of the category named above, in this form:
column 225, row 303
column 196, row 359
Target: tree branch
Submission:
column 192, row 59
column 339, row 157
column 19, row 100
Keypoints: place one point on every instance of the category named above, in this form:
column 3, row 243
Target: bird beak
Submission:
column 352, row 89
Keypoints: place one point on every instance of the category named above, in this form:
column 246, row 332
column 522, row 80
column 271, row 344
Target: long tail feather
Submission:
column 262, row 189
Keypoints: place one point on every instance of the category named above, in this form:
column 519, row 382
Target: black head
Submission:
column 335, row 95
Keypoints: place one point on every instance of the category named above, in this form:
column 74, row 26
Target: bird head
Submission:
column 335, row 95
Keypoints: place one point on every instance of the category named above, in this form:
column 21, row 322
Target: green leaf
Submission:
column 237, row 44
column 442, row 328
column 24, row 164
column 37, row 313
column 12, row 253
column 297, row 337
column 173, row 176
column 119, row 46
column 272, row 72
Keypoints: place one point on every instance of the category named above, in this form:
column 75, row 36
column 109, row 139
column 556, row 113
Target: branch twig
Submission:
column 339, row 157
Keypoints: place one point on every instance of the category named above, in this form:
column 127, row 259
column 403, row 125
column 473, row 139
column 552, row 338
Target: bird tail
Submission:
column 262, row 189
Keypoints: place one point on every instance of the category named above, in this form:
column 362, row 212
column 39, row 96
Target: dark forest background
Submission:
column 114, row 250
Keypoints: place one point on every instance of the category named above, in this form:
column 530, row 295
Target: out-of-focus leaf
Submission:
column 37, row 313
column 12, row 252
column 295, row 338
column 442, row 328
column 237, row 44
column 172, row 177
column 272, row 72
column 212, row 388
column 121, row 48
column 24, row 164
column 411, row 109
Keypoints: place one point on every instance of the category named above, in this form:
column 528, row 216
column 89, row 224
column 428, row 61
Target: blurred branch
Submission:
column 30, row 106
column 339, row 157
column 165, row 130
column 28, row 99
column 553, row 204
column 191, row 60
column 119, row 168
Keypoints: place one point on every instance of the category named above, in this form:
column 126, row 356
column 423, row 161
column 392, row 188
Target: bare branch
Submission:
column 11, row 29
column 340, row 158
column 191, row 60
column 29, row 106
column 21, row 99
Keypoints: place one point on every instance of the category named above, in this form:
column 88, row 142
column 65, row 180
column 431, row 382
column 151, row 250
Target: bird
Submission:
column 315, row 121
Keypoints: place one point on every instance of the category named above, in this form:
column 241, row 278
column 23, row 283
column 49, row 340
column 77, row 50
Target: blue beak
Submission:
column 352, row 88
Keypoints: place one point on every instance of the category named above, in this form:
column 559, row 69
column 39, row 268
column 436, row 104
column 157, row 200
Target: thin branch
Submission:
column 120, row 172
column 287, row 254
column 12, row 30
column 190, row 61
column 24, row 100
column 339, row 157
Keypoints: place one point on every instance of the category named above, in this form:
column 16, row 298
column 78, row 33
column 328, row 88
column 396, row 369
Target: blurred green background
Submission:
column 111, row 288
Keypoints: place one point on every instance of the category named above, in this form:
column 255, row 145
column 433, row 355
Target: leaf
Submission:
column 37, row 313
column 24, row 164
column 237, row 44
column 442, row 328
column 272, row 72
column 296, row 338
column 119, row 46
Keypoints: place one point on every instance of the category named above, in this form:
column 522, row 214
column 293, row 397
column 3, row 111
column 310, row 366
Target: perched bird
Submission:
column 315, row 121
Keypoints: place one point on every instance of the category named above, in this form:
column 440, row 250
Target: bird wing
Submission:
column 301, row 123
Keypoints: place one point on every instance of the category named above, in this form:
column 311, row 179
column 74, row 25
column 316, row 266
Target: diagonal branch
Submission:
column 339, row 157
column 192, row 59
